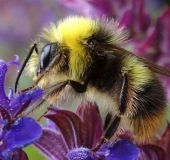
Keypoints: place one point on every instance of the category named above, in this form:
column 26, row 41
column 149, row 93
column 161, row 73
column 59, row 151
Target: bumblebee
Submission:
column 81, row 59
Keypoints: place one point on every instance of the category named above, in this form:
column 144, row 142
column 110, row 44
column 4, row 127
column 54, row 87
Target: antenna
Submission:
column 34, row 47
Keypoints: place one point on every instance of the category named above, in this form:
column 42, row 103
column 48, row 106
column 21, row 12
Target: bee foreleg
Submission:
column 48, row 108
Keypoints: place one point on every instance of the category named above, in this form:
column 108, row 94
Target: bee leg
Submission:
column 107, row 119
column 80, row 88
column 48, row 108
column 112, row 122
column 108, row 133
column 27, row 89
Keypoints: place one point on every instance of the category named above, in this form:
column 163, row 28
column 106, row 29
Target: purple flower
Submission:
column 16, row 133
column 72, row 136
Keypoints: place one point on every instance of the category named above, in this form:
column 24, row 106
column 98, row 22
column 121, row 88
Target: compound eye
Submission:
column 47, row 55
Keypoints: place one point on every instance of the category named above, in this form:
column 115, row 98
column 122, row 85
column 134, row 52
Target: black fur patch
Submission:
column 104, row 71
column 102, row 36
column 151, row 100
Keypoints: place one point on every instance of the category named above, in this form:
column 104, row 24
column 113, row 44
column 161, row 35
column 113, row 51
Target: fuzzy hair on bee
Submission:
column 84, row 57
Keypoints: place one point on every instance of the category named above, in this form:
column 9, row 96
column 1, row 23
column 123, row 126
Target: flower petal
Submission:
column 92, row 124
column 17, row 105
column 3, row 69
column 65, row 125
column 119, row 150
column 76, row 122
column 23, row 132
column 151, row 152
column 52, row 145
column 11, row 93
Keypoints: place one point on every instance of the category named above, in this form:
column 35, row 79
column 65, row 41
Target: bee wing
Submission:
column 152, row 66
column 156, row 68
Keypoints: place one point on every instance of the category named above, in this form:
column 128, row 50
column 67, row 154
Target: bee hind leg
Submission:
column 112, row 122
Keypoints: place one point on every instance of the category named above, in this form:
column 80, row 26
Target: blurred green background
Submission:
column 20, row 23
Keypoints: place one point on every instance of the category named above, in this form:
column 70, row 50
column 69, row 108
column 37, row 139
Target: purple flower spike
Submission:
column 74, row 135
column 15, row 133
column 14, row 105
